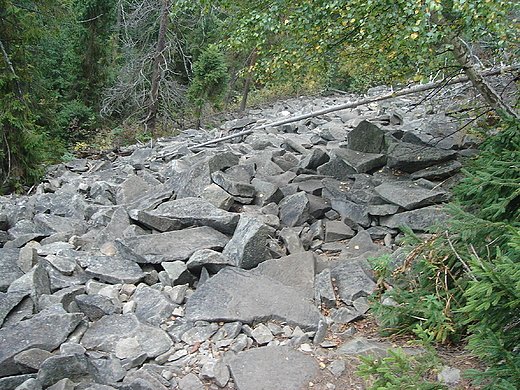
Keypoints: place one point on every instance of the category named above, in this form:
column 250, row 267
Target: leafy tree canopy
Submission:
column 389, row 38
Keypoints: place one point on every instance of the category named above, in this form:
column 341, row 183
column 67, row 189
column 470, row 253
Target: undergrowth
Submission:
column 463, row 282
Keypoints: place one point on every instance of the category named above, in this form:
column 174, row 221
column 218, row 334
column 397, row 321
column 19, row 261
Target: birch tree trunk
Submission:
column 462, row 55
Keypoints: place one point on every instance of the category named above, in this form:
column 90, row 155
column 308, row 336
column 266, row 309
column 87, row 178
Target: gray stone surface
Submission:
column 272, row 368
column 295, row 209
column 8, row 301
column 212, row 260
column 238, row 295
column 45, row 331
column 111, row 269
column 351, row 281
column 411, row 158
column 8, row 267
column 296, row 271
column 104, row 335
column 96, row 306
column 56, row 368
column 170, row 246
column 152, row 306
column 194, row 212
column 366, row 137
column 410, row 195
column 418, row 220
column 247, row 247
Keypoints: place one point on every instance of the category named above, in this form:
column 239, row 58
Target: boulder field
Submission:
column 239, row 265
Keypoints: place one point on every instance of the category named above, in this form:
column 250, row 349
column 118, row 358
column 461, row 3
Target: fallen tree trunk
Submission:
column 403, row 92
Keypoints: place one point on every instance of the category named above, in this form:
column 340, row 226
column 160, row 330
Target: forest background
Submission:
column 77, row 73
column 80, row 74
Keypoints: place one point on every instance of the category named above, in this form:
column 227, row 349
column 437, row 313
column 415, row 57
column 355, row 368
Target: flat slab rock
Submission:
column 238, row 295
column 170, row 246
column 109, row 332
column 272, row 368
column 45, row 331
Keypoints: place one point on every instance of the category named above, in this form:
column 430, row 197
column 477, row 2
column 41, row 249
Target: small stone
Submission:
column 337, row 367
column 262, row 334
column 449, row 375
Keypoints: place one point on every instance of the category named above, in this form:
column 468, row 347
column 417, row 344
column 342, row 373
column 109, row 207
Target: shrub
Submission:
column 465, row 280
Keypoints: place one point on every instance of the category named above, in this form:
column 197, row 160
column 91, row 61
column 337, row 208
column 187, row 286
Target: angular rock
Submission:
column 295, row 209
column 247, row 247
column 96, row 306
column 266, row 192
column 338, row 168
column 111, row 269
column 352, row 281
column 314, row 159
column 438, row 172
column 238, row 295
column 417, row 220
column 262, row 334
column 152, row 306
column 274, row 368
column 8, row 302
column 235, row 188
column 410, row 195
column 337, row 231
column 212, row 260
column 324, row 289
column 178, row 273
column 32, row 359
column 291, row 239
column 55, row 223
column 45, row 330
column 170, row 246
column 215, row 195
column 104, row 335
column 74, row 367
column 191, row 382
column 367, row 138
column 359, row 245
column 34, row 283
column 192, row 212
column 357, row 213
column 410, row 158
column 296, row 271
column 8, row 267
column 200, row 333
column 361, row 162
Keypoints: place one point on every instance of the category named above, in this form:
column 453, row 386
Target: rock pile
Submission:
column 225, row 267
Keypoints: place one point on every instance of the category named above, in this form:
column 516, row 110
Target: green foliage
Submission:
column 389, row 41
column 210, row 79
column 465, row 281
column 400, row 371
column 428, row 290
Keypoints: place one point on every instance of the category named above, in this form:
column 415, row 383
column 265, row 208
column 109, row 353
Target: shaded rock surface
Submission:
column 165, row 267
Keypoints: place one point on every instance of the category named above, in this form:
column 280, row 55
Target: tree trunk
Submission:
column 489, row 94
column 248, row 81
column 153, row 107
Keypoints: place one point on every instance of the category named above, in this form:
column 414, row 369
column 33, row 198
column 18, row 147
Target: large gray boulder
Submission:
column 238, row 295
column 418, row 220
column 295, row 209
column 272, row 368
column 106, row 334
column 410, row 157
column 170, row 246
column 296, row 270
column 8, row 267
column 46, row 331
column 410, row 195
column 247, row 248
column 367, row 138
column 111, row 269
column 191, row 212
